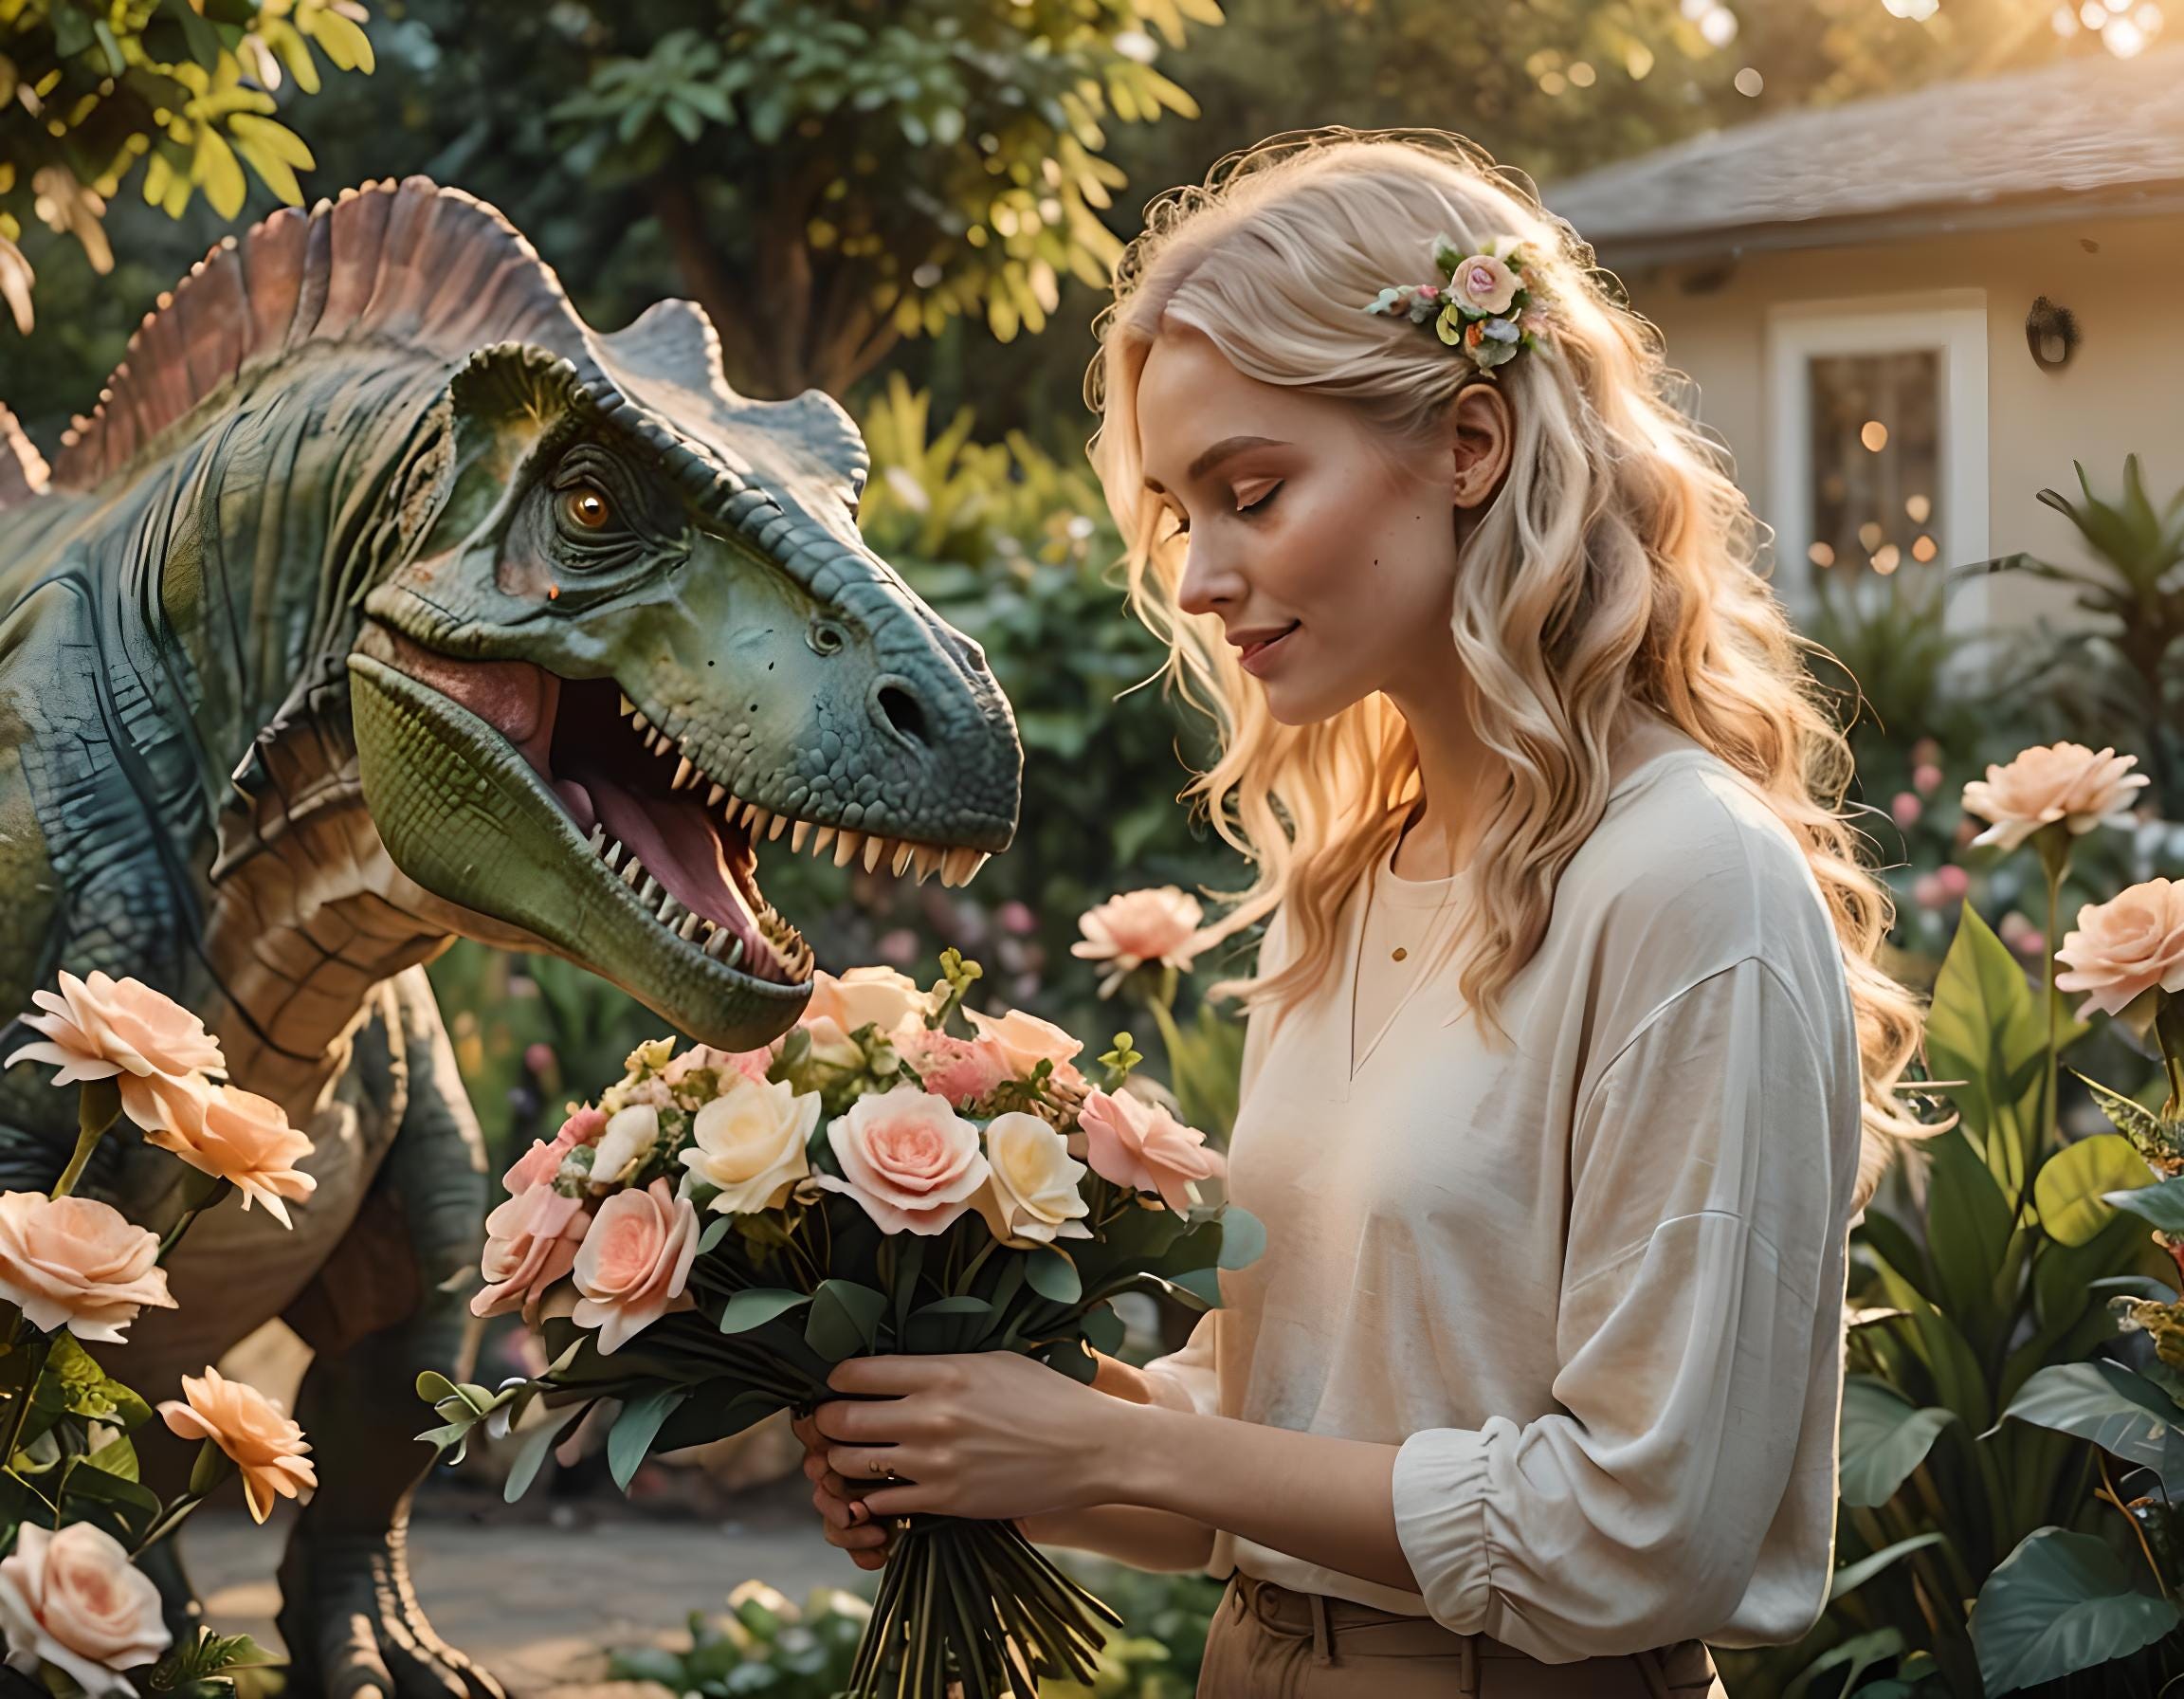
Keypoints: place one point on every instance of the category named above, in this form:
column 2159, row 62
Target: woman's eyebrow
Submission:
column 1215, row 455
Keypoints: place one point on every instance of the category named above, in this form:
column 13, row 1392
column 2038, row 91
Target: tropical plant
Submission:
column 2117, row 680
column 89, row 89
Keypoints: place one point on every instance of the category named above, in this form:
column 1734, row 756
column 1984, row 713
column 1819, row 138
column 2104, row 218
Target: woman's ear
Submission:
column 1483, row 435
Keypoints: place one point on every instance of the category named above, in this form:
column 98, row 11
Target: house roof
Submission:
column 2090, row 130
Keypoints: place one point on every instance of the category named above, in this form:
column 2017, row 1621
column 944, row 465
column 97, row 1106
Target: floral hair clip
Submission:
column 1480, row 305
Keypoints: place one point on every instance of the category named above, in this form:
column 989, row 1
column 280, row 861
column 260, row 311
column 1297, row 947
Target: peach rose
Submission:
column 960, row 1070
column 879, row 994
column 1024, row 1040
column 1485, row 283
column 543, row 1162
column 752, row 1065
column 907, row 1158
column 2125, row 947
column 749, row 1142
column 2069, row 782
column 531, row 1241
column 1141, row 1145
column 72, row 1600
column 100, row 1028
column 77, row 1263
column 1160, row 925
column 244, row 1139
column 635, row 1262
column 266, row 1445
column 1030, row 1196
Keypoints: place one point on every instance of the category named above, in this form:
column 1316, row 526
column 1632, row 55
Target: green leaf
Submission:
column 1861, row 1652
column 634, row 1429
column 1054, row 1275
column 2104, row 1402
column 2059, row 1604
column 1968, row 1232
column 845, row 1319
column 1202, row 1283
column 2071, row 1189
column 531, row 1455
column 757, row 1306
column 1884, row 1437
column 1853, row 1576
column 1984, row 1029
column 1243, row 1237
column 2163, row 1204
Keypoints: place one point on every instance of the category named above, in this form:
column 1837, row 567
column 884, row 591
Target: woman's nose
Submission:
column 1207, row 585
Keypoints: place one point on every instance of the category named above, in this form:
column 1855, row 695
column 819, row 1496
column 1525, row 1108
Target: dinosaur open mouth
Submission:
column 680, row 840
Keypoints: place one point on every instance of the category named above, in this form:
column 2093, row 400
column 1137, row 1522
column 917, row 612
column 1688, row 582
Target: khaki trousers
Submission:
column 1268, row 1642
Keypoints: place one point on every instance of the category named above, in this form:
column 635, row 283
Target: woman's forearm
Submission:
column 1127, row 1533
column 1336, row 1509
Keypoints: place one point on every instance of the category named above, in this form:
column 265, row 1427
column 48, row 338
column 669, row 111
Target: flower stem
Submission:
column 169, row 1520
column 210, row 1194
column 2169, row 1030
column 97, row 1106
column 20, row 1415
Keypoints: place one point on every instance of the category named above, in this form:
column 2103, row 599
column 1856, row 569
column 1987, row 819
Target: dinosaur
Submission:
column 382, row 601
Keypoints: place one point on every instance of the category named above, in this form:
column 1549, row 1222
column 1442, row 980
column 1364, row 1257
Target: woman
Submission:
column 1567, row 1063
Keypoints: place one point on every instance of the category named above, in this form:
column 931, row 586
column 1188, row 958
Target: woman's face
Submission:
column 1328, row 555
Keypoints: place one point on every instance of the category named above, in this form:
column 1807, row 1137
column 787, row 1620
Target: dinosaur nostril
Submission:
column 902, row 712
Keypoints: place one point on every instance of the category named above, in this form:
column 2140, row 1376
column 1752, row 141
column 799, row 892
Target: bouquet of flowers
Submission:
column 895, row 1174
column 76, row 1519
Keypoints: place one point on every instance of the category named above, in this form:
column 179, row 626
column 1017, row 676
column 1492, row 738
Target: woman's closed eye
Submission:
column 1244, row 510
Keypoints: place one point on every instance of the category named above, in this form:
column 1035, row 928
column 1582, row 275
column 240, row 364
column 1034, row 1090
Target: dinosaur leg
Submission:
column 352, row 1624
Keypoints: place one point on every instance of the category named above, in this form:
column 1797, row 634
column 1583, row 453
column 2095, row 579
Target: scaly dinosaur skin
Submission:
column 384, row 601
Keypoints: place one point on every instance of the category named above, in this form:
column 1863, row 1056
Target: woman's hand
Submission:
column 847, row 1524
column 991, row 1436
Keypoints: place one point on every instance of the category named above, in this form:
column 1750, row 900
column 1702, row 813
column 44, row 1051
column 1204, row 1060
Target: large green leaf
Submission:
column 845, row 1319
column 1984, row 1028
column 2072, row 1188
column 2119, row 1410
column 2059, row 1604
column 1884, row 1437
column 2163, row 1204
column 1861, row 1652
column 1968, row 1230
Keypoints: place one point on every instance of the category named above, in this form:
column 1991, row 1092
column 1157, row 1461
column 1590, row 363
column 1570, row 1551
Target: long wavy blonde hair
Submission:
column 1614, row 565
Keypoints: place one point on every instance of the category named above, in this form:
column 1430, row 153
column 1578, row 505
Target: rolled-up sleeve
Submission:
column 1188, row 1380
column 1705, row 1192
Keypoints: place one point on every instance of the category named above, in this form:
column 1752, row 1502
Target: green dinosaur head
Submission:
column 638, row 644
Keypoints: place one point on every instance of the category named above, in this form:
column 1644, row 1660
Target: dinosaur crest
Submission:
column 22, row 468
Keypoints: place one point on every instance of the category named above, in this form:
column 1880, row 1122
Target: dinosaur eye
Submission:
column 586, row 508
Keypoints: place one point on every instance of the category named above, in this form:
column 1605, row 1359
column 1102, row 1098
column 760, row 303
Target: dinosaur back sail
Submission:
column 411, row 264
column 22, row 468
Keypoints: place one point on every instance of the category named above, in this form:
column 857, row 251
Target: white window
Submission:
column 1877, row 454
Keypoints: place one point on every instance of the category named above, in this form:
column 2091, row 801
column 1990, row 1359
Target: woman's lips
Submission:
column 1256, row 657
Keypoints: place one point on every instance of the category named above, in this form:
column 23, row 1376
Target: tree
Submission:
column 90, row 87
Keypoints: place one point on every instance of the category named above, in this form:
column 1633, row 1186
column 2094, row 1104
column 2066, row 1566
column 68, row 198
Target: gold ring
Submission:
column 879, row 1467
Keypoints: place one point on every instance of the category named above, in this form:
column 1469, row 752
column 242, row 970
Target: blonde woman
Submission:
column 1567, row 1066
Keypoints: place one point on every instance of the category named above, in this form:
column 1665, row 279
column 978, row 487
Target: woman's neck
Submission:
column 1457, row 773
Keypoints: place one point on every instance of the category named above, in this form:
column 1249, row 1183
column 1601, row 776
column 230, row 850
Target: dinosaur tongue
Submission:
column 679, row 847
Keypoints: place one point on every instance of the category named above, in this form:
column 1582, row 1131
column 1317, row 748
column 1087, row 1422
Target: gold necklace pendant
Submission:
column 1400, row 953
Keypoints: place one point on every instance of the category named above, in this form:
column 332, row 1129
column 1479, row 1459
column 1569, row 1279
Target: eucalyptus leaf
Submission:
column 845, row 1319
column 2060, row 1603
column 757, row 1306
column 632, row 1436
column 1243, row 1237
column 531, row 1454
column 1053, row 1276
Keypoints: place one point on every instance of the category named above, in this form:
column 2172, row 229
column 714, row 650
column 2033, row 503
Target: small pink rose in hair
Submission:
column 1428, row 291
column 1485, row 283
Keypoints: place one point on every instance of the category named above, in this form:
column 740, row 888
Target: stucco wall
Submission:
column 2122, row 392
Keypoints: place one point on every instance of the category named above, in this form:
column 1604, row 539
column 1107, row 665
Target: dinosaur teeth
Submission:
column 669, row 907
column 874, row 848
column 797, row 834
column 960, row 864
column 717, row 945
column 846, row 847
column 757, row 822
column 648, row 893
column 613, row 856
column 598, row 837
column 903, row 854
column 689, row 929
column 632, row 873
column 639, row 721
column 712, row 796
column 927, row 856
column 820, row 838
column 628, row 707
column 683, row 773
column 774, row 831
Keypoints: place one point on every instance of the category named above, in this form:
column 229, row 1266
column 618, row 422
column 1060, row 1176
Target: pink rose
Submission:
column 72, row 1600
column 752, row 1065
column 635, row 1263
column 1023, row 1040
column 2082, row 787
column 908, row 1159
column 960, row 1070
column 531, row 1241
column 1141, row 1146
column 1126, row 931
column 539, row 1164
column 77, row 1263
column 2125, row 947
column 1485, row 285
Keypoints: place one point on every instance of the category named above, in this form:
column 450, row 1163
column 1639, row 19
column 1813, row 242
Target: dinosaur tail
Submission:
column 22, row 468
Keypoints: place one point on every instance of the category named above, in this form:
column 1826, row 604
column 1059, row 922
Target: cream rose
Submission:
column 1024, row 1040
column 635, row 1263
column 72, row 1600
column 752, row 1065
column 876, row 995
column 2082, row 787
column 260, row 1438
column 749, row 1143
column 77, row 1263
column 907, row 1158
column 625, row 1144
column 244, row 1139
column 1126, row 931
column 1485, row 283
column 1032, row 1195
column 100, row 1028
column 960, row 1070
column 1141, row 1145
column 2125, row 947
column 531, row 1242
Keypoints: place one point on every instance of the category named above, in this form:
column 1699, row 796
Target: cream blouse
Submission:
column 1591, row 1284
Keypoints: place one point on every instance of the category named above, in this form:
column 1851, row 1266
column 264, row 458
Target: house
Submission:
column 1908, row 315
